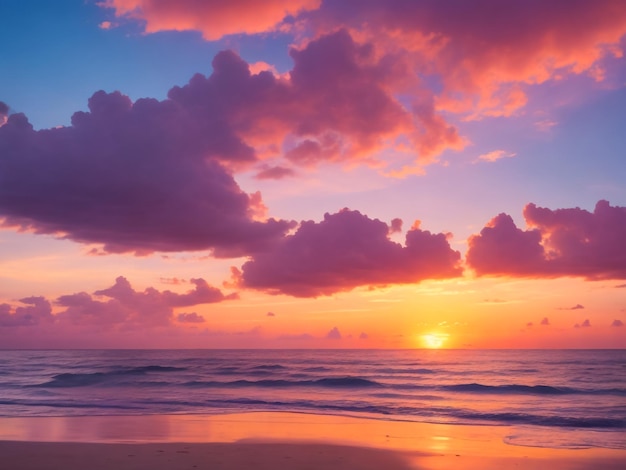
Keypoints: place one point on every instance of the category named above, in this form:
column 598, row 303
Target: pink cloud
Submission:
column 274, row 173
column 545, row 322
column 617, row 323
column 495, row 155
column 127, row 308
column 37, row 311
column 118, row 315
column 344, row 251
column 355, row 58
column 213, row 18
column 562, row 242
column 486, row 52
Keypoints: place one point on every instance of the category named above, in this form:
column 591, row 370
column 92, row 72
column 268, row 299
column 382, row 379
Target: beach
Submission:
column 274, row 440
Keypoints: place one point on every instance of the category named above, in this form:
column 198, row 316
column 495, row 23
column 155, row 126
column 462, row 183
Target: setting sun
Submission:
column 433, row 340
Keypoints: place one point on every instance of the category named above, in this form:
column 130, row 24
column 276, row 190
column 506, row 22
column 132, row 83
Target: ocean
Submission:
column 554, row 398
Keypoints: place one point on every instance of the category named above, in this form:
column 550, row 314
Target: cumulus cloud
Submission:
column 128, row 308
column 363, row 335
column 123, row 308
column 479, row 69
column 334, row 333
column 561, row 242
column 37, row 310
column 270, row 314
column 545, row 321
column 344, row 251
column 617, row 323
column 135, row 177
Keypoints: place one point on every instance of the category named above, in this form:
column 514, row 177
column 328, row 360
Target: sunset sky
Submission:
column 312, row 174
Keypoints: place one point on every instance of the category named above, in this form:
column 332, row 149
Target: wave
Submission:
column 528, row 389
column 69, row 379
column 329, row 382
column 269, row 367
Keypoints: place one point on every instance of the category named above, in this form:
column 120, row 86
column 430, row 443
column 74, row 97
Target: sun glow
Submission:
column 433, row 340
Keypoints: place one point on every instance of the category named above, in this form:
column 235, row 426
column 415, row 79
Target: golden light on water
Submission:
column 433, row 340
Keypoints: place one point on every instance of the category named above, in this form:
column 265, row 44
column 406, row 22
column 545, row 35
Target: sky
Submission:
column 312, row 174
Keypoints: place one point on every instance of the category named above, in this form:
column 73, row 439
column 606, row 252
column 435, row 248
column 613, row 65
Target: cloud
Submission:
column 486, row 53
column 617, row 323
column 274, row 173
column 585, row 324
column 363, row 336
column 575, row 307
column 192, row 317
column 213, row 18
column 127, row 308
column 334, row 333
column 270, row 314
column 344, row 251
column 395, row 226
column 37, row 311
column 369, row 72
column 480, row 58
column 4, row 113
column 124, row 308
column 135, row 177
column 495, row 155
column 562, row 242
column 545, row 321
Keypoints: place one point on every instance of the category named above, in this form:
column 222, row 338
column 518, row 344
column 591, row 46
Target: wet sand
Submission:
column 274, row 441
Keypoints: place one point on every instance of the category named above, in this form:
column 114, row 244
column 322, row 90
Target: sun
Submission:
column 433, row 340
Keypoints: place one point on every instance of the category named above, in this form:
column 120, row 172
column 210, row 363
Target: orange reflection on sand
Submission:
column 428, row 446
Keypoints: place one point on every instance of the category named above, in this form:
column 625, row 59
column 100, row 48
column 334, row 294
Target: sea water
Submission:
column 555, row 398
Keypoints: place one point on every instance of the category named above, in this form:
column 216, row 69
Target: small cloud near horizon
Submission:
column 545, row 321
column 192, row 317
column 575, row 307
column 334, row 333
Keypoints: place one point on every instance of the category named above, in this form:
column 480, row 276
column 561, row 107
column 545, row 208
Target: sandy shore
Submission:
column 274, row 441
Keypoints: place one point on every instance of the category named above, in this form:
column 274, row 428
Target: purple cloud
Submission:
column 192, row 317
column 129, row 308
column 562, row 242
column 334, row 333
column 37, row 311
column 346, row 250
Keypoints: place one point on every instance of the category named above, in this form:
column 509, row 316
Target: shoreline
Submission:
column 273, row 439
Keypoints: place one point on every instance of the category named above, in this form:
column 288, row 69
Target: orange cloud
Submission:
column 213, row 18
